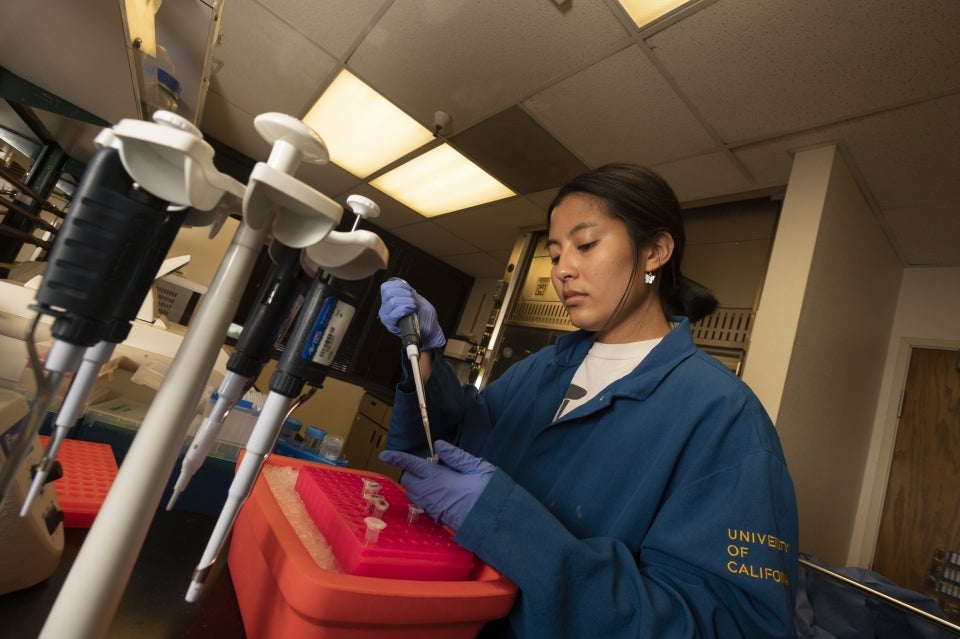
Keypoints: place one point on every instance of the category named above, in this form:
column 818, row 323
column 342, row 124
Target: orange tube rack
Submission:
column 282, row 592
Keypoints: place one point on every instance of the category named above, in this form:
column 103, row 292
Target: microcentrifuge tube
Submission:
column 380, row 508
column 374, row 526
column 413, row 513
column 370, row 487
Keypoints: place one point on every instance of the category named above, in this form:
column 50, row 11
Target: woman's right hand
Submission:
column 398, row 300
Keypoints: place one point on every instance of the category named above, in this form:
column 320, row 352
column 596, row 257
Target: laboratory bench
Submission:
column 152, row 606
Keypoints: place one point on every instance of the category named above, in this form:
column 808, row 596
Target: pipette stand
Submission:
column 170, row 159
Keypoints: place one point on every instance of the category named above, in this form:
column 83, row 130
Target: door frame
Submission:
column 876, row 474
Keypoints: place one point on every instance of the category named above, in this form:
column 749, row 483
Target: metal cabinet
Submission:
column 368, row 436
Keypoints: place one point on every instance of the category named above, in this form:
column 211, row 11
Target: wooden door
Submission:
column 921, row 510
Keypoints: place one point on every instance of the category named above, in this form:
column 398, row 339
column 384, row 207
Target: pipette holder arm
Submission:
column 300, row 215
column 355, row 255
column 170, row 159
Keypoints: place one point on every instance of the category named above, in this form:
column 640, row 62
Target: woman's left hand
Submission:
column 448, row 491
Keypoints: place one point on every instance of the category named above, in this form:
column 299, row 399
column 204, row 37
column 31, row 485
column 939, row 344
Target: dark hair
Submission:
column 643, row 201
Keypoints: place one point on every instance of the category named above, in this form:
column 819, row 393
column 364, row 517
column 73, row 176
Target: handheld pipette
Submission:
column 410, row 338
column 307, row 355
column 71, row 409
column 258, row 447
column 265, row 324
column 142, row 271
column 97, row 267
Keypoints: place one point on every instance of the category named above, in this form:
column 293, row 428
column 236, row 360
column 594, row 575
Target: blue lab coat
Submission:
column 660, row 508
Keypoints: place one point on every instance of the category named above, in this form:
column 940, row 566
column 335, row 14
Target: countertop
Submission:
column 152, row 606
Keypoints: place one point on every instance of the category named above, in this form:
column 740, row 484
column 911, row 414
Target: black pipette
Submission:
column 307, row 355
column 410, row 340
column 100, row 250
column 268, row 320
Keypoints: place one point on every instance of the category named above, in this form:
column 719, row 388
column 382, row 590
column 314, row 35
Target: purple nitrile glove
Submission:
column 398, row 300
column 445, row 492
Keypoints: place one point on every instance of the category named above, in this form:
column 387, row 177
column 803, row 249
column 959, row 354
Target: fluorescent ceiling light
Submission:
column 643, row 12
column 441, row 181
column 363, row 131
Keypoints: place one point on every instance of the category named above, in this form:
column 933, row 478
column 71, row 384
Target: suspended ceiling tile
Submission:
column 620, row 109
column 763, row 67
column 542, row 200
column 518, row 152
column 73, row 136
column 906, row 157
column 329, row 179
column 393, row 214
column 267, row 66
column 910, row 156
column 474, row 59
column 704, row 177
column 927, row 236
column 333, row 25
column 227, row 123
column 493, row 226
column 434, row 239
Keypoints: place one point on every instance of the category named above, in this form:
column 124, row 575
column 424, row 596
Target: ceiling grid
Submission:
column 717, row 97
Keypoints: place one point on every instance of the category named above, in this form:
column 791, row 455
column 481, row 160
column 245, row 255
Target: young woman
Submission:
column 628, row 483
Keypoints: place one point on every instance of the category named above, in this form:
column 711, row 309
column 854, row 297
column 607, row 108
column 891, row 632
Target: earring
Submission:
column 649, row 278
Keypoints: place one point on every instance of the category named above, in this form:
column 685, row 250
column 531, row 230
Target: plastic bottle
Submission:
column 313, row 438
column 288, row 443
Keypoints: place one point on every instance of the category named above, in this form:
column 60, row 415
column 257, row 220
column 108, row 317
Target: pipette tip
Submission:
column 196, row 584
column 38, row 480
column 193, row 591
column 173, row 499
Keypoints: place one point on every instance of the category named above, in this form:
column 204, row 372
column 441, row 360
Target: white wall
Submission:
column 820, row 340
column 778, row 313
column 728, row 247
column 926, row 316
column 205, row 253
column 333, row 407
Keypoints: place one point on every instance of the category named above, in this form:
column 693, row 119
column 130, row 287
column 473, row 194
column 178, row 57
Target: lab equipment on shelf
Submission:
column 312, row 437
column 331, row 447
column 308, row 447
